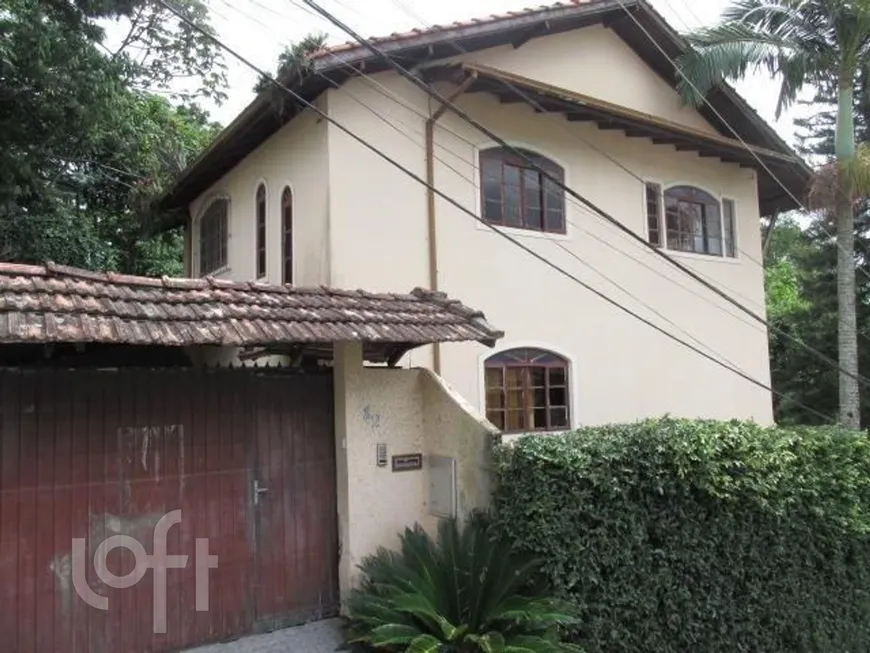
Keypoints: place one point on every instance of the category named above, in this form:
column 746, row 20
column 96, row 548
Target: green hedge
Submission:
column 699, row 536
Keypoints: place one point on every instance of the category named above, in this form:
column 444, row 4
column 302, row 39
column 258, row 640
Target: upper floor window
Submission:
column 261, row 230
column 514, row 194
column 694, row 221
column 287, row 235
column 527, row 390
column 213, row 233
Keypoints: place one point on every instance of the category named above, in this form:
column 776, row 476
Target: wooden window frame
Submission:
column 213, row 247
column 654, row 201
column 729, row 228
column 545, row 191
column 723, row 206
column 524, row 359
column 287, row 235
column 260, row 213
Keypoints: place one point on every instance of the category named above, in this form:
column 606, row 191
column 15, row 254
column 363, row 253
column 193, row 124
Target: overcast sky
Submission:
column 259, row 29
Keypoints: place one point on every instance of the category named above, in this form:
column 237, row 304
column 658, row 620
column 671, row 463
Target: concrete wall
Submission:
column 411, row 412
column 454, row 428
column 295, row 156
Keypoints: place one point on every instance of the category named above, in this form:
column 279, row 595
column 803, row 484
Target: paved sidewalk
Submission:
column 317, row 637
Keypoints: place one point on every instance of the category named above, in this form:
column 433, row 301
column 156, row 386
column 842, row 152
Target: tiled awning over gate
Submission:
column 58, row 304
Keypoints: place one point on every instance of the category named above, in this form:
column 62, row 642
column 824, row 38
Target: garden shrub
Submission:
column 698, row 536
column 464, row 591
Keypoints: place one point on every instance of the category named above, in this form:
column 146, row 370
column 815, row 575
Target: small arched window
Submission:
column 261, row 230
column 287, row 235
column 515, row 194
column 527, row 390
column 695, row 221
column 213, row 235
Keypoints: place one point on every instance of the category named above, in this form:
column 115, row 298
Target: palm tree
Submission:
column 823, row 43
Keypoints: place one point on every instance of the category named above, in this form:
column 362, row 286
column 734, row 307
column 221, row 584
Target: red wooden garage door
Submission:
column 97, row 454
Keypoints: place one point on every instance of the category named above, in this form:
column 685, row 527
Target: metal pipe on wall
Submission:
column 430, row 200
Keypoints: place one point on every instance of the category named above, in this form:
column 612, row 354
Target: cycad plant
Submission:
column 465, row 591
column 825, row 44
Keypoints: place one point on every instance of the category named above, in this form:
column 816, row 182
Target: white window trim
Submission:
column 295, row 271
column 663, row 227
column 195, row 254
column 261, row 182
column 573, row 386
column 515, row 231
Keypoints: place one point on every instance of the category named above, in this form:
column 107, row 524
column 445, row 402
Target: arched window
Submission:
column 527, row 390
column 261, row 230
column 695, row 221
column 514, row 194
column 287, row 234
column 213, row 233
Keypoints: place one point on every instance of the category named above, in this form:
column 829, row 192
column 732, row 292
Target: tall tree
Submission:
column 823, row 43
column 85, row 147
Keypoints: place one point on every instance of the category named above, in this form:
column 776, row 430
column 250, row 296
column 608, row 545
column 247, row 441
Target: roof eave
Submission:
column 342, row 64
column 258, row 121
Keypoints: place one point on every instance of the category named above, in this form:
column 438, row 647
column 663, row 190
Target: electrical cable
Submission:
column 380, row 115
column 558, row 183
column 297, row 97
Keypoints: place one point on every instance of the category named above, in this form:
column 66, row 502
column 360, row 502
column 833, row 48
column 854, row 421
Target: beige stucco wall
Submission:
column 409, row 411
column 362, row 224
column 594, row 61
column 621, row 370
column 296, row 155
column 453, row 428
column 374, row 504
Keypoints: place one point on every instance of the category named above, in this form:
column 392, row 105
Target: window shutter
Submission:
column 728, row 227
column 654, row 213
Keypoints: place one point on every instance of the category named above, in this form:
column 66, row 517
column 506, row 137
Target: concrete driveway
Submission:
column 317, row 637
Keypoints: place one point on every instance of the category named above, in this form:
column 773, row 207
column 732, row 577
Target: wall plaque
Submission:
column 407, row 462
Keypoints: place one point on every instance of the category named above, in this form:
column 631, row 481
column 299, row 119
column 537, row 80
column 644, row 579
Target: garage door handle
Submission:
column 258, row 491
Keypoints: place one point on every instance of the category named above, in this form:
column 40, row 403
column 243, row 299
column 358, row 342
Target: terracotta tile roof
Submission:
column 56, row 303
column 434, row 30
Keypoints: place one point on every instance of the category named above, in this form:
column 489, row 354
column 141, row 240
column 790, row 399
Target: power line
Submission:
column 602, row 151
column 730, row 127
column 391, row 95
column 532, row 164
column 556, row 120
column 405, row 7
column 385, row 92
column 296, row 96
column 561, row 246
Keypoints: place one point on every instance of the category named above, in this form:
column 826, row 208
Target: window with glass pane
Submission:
column 654, row 213
column 261, row 231
column 515, row 194
column 213, row 235
column 287, row 235
column 729, row 227
column 527, row 390
column 693, row 221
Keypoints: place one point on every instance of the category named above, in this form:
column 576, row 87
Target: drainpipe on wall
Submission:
column 430, row 200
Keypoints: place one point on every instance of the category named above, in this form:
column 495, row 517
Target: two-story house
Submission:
column 586, row 91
